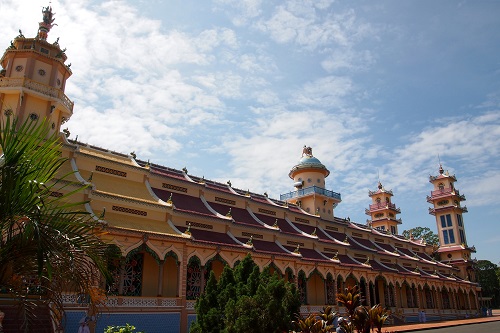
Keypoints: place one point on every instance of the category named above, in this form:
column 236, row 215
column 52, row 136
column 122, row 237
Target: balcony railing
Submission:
column 76, row 300
column 386, row 205
column 308, row 190
column 21, row 82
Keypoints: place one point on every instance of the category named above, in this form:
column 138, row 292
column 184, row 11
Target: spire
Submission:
column 47, row 23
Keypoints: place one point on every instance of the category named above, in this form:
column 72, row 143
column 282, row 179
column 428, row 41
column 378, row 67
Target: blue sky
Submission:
column 233, row 89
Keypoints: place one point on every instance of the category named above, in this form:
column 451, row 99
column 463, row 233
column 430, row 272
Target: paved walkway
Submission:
column 438, row 324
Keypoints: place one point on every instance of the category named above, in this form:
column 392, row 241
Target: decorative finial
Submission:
column 66, row 132
column 307, row 151
column 188, row 230
column 367, row 262
column 170, row 201
column 229, row 183
column 247, row 193
column 297, row 250
column 20, row 34
column 380, row 185
column 90, row 177
column 229, row 212
column 250, row 240
column 47, row 23
column 103, row 213
column 275, row 225
column 185, row 170
column 202, row 180
column 314, row 232
column 336, row 256
column 133, row 154
column 265, row 194
column 346, row 240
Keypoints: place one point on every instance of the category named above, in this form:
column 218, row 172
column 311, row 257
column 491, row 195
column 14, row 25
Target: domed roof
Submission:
column 308, row 161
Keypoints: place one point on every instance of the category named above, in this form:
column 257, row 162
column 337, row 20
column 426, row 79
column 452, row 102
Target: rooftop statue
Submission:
column 308, row 151
column 47, row 16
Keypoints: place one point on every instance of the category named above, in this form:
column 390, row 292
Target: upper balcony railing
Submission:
column 21, row 82
column 445, row 192
column 308, row 190
column 384, row 205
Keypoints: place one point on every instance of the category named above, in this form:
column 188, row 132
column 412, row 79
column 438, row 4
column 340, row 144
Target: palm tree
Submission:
column 48, row 244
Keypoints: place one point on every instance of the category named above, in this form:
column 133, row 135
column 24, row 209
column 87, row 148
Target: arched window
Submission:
column 193, row 279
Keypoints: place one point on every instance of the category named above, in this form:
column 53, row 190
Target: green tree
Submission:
column 424, row 233
column 246, row 300
column 48, row 245
column 488, row 279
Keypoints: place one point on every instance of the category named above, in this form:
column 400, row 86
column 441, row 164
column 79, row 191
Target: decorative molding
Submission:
column 199, row 225
column 129, row 210
column 110, row 171
column 249, row 234
column 266, row 211
column 174, row 187
column 226, row 201
column 298, row 219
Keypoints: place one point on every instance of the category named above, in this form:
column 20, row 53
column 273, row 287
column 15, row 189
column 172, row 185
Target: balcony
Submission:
column 20, row 82
column 380, row 206
column 448, row 191
column 309, row 190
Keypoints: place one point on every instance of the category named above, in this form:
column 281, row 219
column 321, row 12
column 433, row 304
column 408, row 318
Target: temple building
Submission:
column 173, row 228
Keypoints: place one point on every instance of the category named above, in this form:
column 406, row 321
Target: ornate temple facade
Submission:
column 173, row 228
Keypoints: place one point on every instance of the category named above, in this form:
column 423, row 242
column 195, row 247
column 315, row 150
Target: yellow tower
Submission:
column 448, row 211
column 33, row 78
column 309, row 182
column 382, row 211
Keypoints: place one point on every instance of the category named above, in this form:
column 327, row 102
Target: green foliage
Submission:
column 359, row 319
column 246, row 300
column 424, row 233
column 121, row 329
column 488, row 278
column 45, row 239
column 317, row 323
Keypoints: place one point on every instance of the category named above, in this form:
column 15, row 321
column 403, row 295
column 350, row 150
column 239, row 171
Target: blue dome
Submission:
column 310, row 161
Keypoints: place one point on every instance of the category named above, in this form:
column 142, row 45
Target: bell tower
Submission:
column 447, row 209
column 382, row 211
column 309, row 182
column 33, row 77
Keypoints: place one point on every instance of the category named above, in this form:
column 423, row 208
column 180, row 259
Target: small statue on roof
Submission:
column 307, row 151
column 48, row 15
column 20, row 34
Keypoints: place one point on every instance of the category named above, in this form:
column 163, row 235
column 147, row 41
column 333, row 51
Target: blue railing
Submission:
column 308, row 190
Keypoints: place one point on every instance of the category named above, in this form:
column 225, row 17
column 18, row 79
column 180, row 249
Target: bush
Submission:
column 121, row 329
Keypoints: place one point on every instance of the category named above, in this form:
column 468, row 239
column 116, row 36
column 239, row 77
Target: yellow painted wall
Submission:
column 40, row 65
column 170, row 278
column 315, row 290
column 18, row 62
column 150, row 276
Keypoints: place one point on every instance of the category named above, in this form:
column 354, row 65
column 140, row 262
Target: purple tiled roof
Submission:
column 183, row 202
column 239, row 215
column 213, row 237
column 366, row 243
